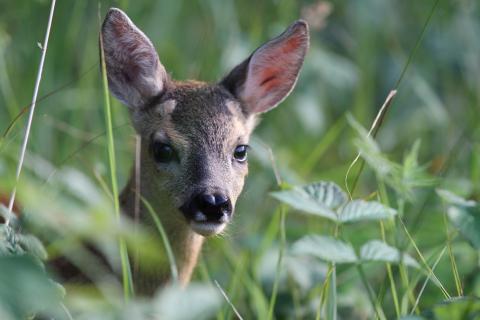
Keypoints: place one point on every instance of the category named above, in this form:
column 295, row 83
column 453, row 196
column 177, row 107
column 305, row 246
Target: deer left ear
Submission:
column 266, row 78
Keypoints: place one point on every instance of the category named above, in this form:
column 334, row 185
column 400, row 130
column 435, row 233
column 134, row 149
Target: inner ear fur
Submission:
column 266, row 78
column 134, row 71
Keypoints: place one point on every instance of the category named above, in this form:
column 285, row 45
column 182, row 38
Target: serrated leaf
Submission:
column 361, row 210
column 325, row 248
column 326, row 193
column 32, row 245
column 319, row 198
column 376, row 250
column 299, row 199
column 8, row 242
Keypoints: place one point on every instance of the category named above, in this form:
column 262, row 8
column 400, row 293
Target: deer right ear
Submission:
column 135, row 74
column 265, row 78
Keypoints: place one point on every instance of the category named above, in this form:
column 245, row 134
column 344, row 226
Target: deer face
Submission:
column 195, row 134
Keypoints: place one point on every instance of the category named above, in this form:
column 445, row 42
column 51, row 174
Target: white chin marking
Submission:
column 207, row 229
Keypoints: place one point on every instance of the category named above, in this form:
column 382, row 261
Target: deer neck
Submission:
column 185, row 243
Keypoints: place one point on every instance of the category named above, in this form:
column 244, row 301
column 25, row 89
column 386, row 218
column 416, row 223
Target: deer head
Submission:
column 195, row 135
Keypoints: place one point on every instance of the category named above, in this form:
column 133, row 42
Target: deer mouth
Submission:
column 207, row 229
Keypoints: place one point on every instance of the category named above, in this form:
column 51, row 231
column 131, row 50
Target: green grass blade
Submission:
column 126, row 272
column 415, row 305
column 332, row 295
column 237, row 314
column 384, row 199
column 426, row 265
column 281, row 252
column 327, row 140
column 456, row 276
column 166, row 241
column 32, row 109
column 381, row 115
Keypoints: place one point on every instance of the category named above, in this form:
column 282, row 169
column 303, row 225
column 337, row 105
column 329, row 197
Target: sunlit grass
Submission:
column 362, row 53
column 128, row 286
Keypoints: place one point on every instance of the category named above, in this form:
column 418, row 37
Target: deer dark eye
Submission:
column 162, row 152
column 240, row 153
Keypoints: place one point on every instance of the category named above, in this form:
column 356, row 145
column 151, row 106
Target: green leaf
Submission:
column 370, row 151
column 411, row 175
column 319, row 198
column 25, row 289
column 326, row 193
column 376, row 250
column 8, row 242
column 32, row 245
column 464, row 215
column 325, row 248
column 454, row 199
column 467, row 220
column 360, row 210
column 196, row 301
column 456, row 308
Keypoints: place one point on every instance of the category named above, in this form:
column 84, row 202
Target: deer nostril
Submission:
column 212, row 200
column 209, row 199
column 220, row 199
column 215, row 207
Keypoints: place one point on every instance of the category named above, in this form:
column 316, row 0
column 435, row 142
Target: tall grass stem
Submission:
column 426, row 265
column 283, row 242
column 166, row 241
column 376, row 123
column 456, row 276
column 228, row 300
column 126, row 272
column 32, row 109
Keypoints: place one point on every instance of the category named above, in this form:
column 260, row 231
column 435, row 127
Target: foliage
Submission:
column 403, row 245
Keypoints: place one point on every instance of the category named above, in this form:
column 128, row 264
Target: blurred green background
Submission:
column 358, row 52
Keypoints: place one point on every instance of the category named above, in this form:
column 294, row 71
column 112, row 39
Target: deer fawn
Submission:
column 194, row 135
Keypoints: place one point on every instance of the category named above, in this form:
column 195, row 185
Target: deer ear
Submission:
column 135, row 74
column 264, row 79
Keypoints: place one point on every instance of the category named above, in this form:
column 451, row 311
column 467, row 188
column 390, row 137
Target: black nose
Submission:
column 211, row 200
column 207, row 207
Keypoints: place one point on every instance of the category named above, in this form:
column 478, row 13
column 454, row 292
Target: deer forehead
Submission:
column 202, row 118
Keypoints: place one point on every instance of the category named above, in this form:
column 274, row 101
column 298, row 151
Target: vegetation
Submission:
column 317, row 235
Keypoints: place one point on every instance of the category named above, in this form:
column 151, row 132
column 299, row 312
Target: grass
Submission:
column 166, row 241
column 43, row 48
column 353, row 60
column 126, row 271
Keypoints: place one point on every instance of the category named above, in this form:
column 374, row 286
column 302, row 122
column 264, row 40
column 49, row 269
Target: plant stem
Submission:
column 453, row 263
column 376, row 307
column 434, row 277
column 382, row 113
column 384, row 197
column 126, row 272
column 166, row 241
column 32, row 109
column 281, row 252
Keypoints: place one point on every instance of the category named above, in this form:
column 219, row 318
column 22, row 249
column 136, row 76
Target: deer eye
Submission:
column 240, row 153
column 162, row 152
